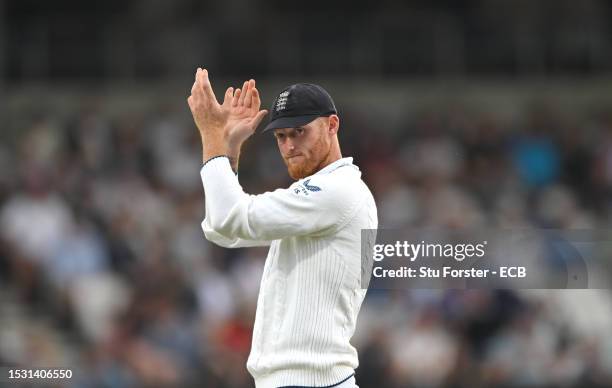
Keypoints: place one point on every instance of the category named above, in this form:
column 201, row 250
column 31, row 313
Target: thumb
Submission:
column 258, row 117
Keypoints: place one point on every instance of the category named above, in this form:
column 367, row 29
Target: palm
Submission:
column 239, row 117
column 243, row 114
column 235, row 120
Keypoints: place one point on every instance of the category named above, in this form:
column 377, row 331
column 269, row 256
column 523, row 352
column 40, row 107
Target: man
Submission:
column 310, row 291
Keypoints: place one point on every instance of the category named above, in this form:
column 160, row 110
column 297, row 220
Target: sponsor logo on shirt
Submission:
column 305, row 187
column 311, row 187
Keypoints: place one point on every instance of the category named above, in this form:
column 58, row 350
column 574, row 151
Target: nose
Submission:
column 288, row 149
column 289, row 144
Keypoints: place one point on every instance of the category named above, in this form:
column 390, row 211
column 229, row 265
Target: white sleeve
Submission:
column 315, row 206
column 226, row 242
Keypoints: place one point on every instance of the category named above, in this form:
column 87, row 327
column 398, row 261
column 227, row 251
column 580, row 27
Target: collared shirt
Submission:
column 310, row 293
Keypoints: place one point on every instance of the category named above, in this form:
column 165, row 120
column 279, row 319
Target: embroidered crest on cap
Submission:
column 281, row 101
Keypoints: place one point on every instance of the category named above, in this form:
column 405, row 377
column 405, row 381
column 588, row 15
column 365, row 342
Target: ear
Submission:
column 334, row 124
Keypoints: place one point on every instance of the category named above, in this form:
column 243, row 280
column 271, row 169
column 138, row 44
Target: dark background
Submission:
column 144, row 40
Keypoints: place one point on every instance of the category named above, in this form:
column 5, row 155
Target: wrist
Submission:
column 234, row 155
column 213, row 146
column 234, row 147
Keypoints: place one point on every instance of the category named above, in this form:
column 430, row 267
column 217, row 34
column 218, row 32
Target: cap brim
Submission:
column 290, row 122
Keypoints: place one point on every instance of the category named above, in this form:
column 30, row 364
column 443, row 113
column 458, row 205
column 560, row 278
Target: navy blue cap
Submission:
column 298, row 105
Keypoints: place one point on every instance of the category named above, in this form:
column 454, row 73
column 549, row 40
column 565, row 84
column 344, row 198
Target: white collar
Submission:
column 337, row 164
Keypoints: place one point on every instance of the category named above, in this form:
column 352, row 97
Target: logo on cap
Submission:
column 281, row 101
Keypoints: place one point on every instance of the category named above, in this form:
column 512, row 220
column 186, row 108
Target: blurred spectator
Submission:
column 102, row 236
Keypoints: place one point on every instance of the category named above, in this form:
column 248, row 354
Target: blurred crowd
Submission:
column 127, row 40
column 104, row 267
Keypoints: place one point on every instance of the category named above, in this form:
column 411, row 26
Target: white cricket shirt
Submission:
column 310, row 291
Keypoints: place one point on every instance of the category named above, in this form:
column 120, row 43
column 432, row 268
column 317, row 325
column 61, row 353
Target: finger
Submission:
column 227, row 99
column 196, row 88
column 248, row 99
column 206, row 86
column 236, row 97
column 192, row 105
column 245, row 89
column 256, row 103
column 258, row 117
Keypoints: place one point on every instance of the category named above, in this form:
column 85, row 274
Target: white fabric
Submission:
column 310, row 291
column 350, row 383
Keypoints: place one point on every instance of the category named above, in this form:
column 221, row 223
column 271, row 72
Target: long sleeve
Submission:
column 226, row 242
column 310, row 292
column 317, row 205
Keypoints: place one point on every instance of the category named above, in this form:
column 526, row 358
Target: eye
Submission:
column 279, row 136
column 299, row 131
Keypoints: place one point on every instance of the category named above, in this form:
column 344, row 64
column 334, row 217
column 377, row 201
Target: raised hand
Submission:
column 224, row 127
column 244, row 114
column 208, row 115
